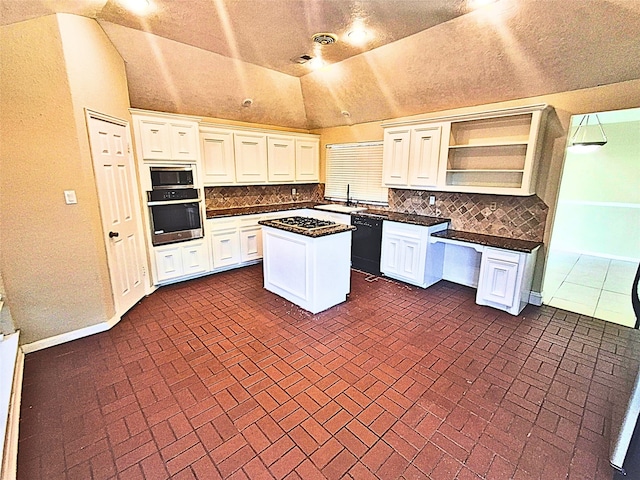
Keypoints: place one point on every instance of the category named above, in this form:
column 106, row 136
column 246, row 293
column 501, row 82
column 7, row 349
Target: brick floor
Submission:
column 218, row 378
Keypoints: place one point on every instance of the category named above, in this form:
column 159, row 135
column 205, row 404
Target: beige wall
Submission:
column 610, row 97
column 53, row 256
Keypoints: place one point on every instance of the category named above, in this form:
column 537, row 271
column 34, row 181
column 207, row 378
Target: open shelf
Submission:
column 484, row 178
column 491, row 131
column 495, row 157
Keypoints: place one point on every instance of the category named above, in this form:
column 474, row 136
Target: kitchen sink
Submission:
column 340, row 208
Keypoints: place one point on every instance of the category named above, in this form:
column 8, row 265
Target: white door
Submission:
column 119, row 208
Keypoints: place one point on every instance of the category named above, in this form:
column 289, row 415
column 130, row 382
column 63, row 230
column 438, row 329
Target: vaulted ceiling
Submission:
column 205, row 57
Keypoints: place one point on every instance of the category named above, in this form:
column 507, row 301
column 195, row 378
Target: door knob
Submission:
column 113, row 234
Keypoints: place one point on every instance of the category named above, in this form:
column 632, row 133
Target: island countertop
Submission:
column 331, row 230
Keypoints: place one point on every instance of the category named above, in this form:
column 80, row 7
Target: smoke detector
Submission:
column 324, row 38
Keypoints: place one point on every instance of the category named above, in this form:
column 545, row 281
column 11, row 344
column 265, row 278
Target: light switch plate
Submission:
column 70, row 197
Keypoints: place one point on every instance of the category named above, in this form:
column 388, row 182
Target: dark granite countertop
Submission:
column 337, row 228
column 230, row 212
column 526, row 246
column 422, row 220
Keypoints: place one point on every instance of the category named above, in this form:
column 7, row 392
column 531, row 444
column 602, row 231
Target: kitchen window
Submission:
column 357, row 166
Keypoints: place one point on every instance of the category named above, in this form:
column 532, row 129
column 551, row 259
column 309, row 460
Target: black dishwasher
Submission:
column 366, row 243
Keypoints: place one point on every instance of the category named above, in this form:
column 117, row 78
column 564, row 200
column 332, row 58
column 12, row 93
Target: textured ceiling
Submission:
column 204, row 57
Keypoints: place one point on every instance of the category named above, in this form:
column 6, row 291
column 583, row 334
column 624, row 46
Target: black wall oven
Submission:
column 174, row 206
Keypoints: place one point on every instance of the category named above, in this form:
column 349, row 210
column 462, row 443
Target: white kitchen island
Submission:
column 310, row 267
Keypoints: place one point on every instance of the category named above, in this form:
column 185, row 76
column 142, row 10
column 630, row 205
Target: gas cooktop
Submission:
column 306, row 224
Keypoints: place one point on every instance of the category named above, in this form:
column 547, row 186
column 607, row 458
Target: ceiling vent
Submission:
column 302, row 59
column 324, row 38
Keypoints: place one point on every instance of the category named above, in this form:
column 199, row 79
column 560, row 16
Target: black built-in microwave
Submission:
column 171, row 178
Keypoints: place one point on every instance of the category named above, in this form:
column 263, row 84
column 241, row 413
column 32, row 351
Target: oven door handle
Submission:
column 173, row 202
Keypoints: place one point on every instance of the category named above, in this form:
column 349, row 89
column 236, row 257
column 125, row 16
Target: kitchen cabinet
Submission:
column 281, row 159
column 505, row 279
column 218, row 157
column 411, row 156
column 180, row 260
column 166, row 137
column 395, row 157
column 406, row 254
column 248, row 156
column 494, row 152
column 307, row 160
column 251, row 157
column 235, row 241
column 225, row 242
column 313, row 273
column 250, row 239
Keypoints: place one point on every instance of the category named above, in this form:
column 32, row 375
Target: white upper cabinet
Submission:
column 248, row 156
column 281, row 159
column 251, row 157
column 184, row 141
column 395, row 157
column 493, row 152
column 155, row 139
column 307, row 160
column 411, row 156
column 218, row 158
column 164, row 138
column 424, row 157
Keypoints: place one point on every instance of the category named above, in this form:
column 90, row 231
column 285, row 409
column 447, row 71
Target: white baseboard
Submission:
column 535, row 298
column 10, row 456
column 69, row 336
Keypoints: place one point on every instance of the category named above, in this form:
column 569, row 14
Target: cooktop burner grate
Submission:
column 305, row 223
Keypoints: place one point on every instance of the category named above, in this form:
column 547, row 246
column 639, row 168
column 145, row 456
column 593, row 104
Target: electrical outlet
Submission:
column 293, row 191
column 492, row 206
column 432, row 199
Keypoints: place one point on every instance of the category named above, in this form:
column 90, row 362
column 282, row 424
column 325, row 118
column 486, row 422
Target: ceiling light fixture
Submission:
column 316, row 63
column 137, row 6
column 474, row 4
column 358, row 36
column 580, row 141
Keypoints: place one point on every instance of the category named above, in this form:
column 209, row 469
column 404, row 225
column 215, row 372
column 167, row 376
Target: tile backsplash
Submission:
column 506, row 216
column 250, row 195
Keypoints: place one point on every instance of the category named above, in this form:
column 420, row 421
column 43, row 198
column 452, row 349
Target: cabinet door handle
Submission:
column 113, row 234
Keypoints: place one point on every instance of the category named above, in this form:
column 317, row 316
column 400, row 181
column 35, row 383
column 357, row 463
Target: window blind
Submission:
column 358, row 165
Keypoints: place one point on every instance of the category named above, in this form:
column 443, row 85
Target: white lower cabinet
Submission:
column 181, row 260
column 250, row 240
column 406, row 253
column 225, row 242
column 505, row 279
column 235, row 241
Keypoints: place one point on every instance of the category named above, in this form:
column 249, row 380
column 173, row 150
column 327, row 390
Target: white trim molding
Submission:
column 69, row 336
column 10, row 453
column 535, row 298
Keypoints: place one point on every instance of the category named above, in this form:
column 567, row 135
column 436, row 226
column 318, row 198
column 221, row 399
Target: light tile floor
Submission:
column 594, row 286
